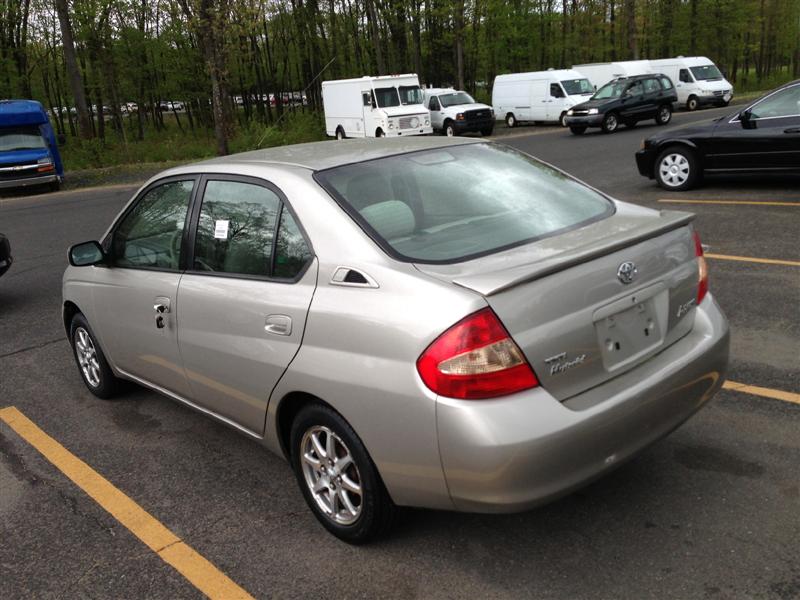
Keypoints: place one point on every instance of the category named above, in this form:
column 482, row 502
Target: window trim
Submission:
column 108, row 241
column 319, row 178
column 735, row 118
column 197, row 204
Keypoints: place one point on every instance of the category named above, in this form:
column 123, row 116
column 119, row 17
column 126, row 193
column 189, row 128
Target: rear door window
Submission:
column 451, row 204
column 651, row 86
column 666, row 83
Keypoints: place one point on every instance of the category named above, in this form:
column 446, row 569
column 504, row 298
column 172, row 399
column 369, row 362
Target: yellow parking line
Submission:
column 734, row 202
column 170, row 548
column 762, row 391
column 766, row 261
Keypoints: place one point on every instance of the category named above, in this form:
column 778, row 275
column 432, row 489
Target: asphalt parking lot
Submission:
column 712, row 511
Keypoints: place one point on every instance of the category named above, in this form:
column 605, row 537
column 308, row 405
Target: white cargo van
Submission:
column 454, row 112
column 538, row 96
column 388, row 105
column 601, row 73
column 697, row 80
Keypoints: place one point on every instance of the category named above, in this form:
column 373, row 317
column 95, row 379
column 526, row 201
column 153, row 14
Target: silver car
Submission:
column 425, row 322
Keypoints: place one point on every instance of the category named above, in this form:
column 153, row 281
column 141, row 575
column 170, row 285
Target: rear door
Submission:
column 250, row 278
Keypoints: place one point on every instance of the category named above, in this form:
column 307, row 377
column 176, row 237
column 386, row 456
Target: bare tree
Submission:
column 73, row 72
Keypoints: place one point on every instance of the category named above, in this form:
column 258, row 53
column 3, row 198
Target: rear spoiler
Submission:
column 497, row 281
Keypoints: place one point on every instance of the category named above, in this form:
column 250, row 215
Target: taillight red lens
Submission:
column 475, row 359
column 702, row 273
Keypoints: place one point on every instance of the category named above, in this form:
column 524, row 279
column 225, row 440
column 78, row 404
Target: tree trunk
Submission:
column 459, row 39
column 73, row 73
column 376, row 38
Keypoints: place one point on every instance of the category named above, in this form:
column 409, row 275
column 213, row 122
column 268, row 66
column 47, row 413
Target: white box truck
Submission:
column 697, row 80
column 539, row 95
column 384, row 106
column 601, row 73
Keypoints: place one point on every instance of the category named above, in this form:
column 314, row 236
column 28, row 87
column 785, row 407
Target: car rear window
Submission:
column 451, row 204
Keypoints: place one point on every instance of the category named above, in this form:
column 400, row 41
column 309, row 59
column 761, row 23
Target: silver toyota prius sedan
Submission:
column 425, row 322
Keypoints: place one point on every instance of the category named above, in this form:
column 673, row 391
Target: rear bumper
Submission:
column 28, row 181
column 585, row 120
column 514, row 453
column 645, row 162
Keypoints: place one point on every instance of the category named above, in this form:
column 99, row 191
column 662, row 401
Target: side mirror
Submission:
column 61, row 139
column 747, row 120
column 86, row 254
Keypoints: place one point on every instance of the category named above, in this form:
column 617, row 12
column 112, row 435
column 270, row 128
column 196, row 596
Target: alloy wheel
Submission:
column 87, row 357
column 664, row 115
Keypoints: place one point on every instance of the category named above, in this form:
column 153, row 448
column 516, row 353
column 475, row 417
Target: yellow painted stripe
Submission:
column 766, row 261
column 734, row 202
column 200, row 572
column 762, row 391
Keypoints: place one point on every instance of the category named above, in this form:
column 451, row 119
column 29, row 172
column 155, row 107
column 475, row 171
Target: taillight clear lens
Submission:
column 702, row 269
column 475, row 359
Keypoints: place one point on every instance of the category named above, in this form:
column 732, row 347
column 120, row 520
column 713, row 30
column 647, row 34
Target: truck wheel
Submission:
column 677, row 169
column 578, row 129
column 449, row 130
column 55, row 186
column 562, row 120
column 487, row 132
column 664, row 115
column 511, row 120
column 692, row 103
column 610, row 123
column 340, row 133
column 379, row 133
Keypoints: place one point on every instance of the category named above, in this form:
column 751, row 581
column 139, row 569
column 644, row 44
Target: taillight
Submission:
column 702, row 269
column 474, row 359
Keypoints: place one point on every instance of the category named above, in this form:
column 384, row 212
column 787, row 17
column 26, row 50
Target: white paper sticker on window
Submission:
column 221, row 230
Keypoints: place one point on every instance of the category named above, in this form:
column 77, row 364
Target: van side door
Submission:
column 250, row 278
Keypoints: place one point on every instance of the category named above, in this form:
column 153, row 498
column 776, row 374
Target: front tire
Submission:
column 677, row 169
column 487, row 132
column 562, row 120
column 379, row 133
column 511, row 121
column 340, row 134
column 692, row 103
column 92, row 364
column 337, row 477
column 664, row 115
column 449, row 130
column 610, row 123
column 577, row 129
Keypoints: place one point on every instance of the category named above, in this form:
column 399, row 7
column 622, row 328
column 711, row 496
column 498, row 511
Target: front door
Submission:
column 135, row 298
column 632, row 101
column 557, row 104
column 437, row 115
column 244, row 298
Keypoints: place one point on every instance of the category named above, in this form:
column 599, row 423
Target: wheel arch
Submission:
column 286, row 411
column 68, row 311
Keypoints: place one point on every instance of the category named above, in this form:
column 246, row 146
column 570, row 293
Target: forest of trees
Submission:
column 205, row 53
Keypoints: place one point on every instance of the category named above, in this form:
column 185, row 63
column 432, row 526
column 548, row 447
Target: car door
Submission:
column 135, row 298
column 651, row 100
column 768, row 140
column 244, row 297
column 435, row 108
column 557, row 103
column 632, row 100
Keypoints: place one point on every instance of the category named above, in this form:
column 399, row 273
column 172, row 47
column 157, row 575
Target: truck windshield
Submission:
column 455, row 99
column 387, row 97
column 575, row 87
column 613, row 89
column 450, row 204
column 410, row 94
column 706, row 73
column 21, row 138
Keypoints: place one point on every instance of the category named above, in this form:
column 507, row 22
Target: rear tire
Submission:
column 379, row 133
column 610, row 123
column 692, row 103
column 511, row 121
column 321, row 442
column 54, row 186
column 577, row 129
column 92, row 364
column 664, row 115
column 677, row 169
column 340, row 134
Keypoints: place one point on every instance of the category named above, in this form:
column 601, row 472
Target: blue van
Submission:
column 28, row 150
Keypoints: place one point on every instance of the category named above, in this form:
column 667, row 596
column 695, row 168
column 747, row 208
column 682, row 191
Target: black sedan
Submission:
column 762, row 138
column 5, row 254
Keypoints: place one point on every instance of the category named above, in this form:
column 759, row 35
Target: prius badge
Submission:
column 627, row 272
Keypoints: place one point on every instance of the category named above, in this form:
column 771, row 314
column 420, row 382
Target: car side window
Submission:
column 684, row 76
column 666, row 83
column 635, row 89
column 651, row 86
column 785, row 103
column 366, row 99
column 434, row 105
column 291, row 249
column 236, row 228
column 150, row 235
column 555, row 91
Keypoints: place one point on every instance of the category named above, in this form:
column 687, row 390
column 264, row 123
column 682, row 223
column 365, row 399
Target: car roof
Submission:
column 317, row 156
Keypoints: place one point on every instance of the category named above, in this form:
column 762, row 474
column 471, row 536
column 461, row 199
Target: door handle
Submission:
column 792, row 130
column 161, row 307
column 278, row 324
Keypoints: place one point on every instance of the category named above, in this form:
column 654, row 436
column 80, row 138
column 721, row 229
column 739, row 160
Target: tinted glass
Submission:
column 446, row 205
column 651, row 85
column 291, row 250
column 434, row 104
column 21, row 138
column 236, row 228
column 456, row 98
column 706, row 72
column 555, row 91
column 410, row 94
column 665, row 82
column 684, row 76
column 150, row 235
column 785, row 103
column 635, row 89
column 574, row 87
column 387, row 97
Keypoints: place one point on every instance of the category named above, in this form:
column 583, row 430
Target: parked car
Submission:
column 28, row 147
column 539, row 96
column 762, row 138
column 626, row 100
column 435, row 322
column 455, row 112
column 5, row 254
column 166, row 105
column 698, row 81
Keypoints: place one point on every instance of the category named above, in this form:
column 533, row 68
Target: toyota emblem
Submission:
column 627, row 272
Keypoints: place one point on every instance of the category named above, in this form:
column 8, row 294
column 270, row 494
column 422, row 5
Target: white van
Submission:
column 538, row 96
column 454, row 112
column 697, row 80
column 389, row 105
column 600, row 74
